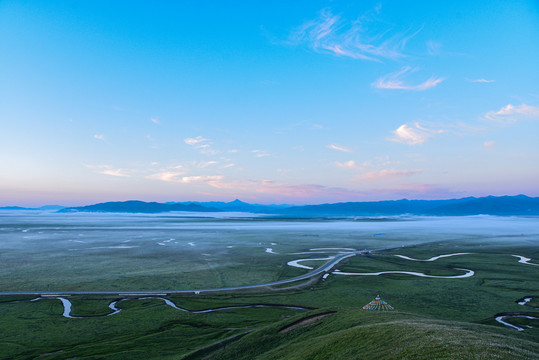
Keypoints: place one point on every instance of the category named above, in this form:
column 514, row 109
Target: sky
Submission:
column 300, row 102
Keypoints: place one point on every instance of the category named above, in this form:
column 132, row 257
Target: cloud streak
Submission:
column 167, row 176
column 195, row 141
column 204, row 179
column 365, row 38
column 177, row 177
column 489, row 144
column 434, row 48
column 480, row 80
column 413, row 134
column 281, row 190
column 108, row 170
column 204, row 164
column 260, row 153
column 201, row 144
column 338, row 148
column 258, row 187
column 351, row 164
column 513, row 113
column 393, row 81
column 387, row 173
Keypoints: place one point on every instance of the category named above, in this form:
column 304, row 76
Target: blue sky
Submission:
column 269, row 102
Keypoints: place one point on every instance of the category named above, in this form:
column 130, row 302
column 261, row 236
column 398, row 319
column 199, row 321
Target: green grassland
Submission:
column 356, row 334
column 437, row 318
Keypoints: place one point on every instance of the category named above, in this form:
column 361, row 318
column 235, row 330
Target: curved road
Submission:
column 324, row 268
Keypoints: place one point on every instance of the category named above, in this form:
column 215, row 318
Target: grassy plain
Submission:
column 456, row 316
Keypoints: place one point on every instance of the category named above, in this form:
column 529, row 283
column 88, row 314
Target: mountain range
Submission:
column 490, row 205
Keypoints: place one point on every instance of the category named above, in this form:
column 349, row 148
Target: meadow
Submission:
column 53, row 252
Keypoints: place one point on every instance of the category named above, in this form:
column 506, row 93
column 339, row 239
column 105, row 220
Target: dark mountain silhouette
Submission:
column 503, row 205
column 14, row 208
column 46, row 207
column 238, row 206
column 135, row 206
column 490, row 205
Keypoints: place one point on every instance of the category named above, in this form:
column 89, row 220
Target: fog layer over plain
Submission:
column 48, row 251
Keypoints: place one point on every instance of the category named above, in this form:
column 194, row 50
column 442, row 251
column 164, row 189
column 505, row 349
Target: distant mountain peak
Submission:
column 237, row 202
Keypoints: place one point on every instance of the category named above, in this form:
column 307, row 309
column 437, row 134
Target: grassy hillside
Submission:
column 359, row 334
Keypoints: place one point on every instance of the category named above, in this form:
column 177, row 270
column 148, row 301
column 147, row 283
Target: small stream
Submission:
column 115, row 310
column 524, row 302
column 501, row 320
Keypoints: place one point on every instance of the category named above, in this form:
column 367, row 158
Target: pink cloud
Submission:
column 284, row 191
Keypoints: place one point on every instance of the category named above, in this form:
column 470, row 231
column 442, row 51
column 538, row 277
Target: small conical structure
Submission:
column 378, row 304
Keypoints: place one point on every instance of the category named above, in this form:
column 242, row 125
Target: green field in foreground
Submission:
column 436, row 318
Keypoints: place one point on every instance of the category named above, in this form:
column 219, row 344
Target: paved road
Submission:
column 324, row 268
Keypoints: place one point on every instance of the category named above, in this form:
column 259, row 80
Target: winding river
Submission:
column 296, row 263
column 469, row 273
column 325, row 270
column 524, row 302
column 115, row 310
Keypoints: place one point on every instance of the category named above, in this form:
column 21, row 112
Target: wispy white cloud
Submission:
column 413, row 134
column 260, row 153
column 365, row 38
column 480, row 80
column 108, row 170
column 177, row 177
column 386, row 173
column 378, row 168
column 513, row 113
column 393, row 81
column 351, row 164
column 228, row 166
column 202, row 145
column 338, row 148
column 99, row 137
column 375, row 164
column 155, row 121
column 205, row 179
column 489, row 144
column 115, row 172
column 281, row 190
column 434, row 48
column 195, row 141
column 204, row 164
column 167, row 176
